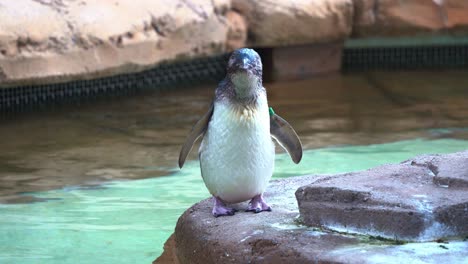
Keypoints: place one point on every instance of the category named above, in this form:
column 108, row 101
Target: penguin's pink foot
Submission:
column 220, row 209
column 257, row 205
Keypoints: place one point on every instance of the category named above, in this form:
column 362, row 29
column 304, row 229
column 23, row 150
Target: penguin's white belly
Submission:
column 237, row 153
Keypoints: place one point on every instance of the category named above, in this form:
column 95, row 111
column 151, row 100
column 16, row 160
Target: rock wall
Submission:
column 57, row 40
column 45, row 41
column 409, row 17
column 283, row 23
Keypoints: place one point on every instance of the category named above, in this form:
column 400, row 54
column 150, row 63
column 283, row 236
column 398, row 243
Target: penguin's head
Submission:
column 245, row 71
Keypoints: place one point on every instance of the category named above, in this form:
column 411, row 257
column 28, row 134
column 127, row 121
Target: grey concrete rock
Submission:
column 422, row 199
column 280, row 236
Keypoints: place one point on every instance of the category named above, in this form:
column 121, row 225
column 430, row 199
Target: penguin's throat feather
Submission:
column 245, row 85
column 244, row 114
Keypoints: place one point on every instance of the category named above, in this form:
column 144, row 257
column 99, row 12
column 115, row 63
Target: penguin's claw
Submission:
column 255, row 210
column 257, row 205
column 219, row 209
column 223, row 211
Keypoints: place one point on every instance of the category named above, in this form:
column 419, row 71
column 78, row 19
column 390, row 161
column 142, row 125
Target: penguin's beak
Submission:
column 244, row 65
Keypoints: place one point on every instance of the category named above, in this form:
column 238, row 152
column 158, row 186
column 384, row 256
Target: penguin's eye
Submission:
column 231, row 62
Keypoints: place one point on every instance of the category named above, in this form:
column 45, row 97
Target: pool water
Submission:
column 129, row 221
column 98, row 183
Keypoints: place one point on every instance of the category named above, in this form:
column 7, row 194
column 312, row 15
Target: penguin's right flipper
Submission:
column 197, row 130
column 283, row 132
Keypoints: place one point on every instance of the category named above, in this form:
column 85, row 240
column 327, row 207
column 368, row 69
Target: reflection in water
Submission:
column 128, row 221
column 140, row 137
column 63, row 157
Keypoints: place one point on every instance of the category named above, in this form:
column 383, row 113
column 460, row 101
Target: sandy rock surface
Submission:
column 410, row 17
column 283, row 23
column 44, row 41
column 55, row 40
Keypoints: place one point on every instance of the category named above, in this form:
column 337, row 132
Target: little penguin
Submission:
column 237, row 153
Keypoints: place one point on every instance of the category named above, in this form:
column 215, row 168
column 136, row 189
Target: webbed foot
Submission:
column 257, row 204
column 220, row 209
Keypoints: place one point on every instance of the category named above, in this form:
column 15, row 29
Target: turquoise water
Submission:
column 128, row 221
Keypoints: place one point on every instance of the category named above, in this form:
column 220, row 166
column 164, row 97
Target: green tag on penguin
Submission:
column 270, row 110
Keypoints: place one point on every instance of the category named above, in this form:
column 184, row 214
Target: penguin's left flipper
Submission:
column 283, row 132
column 198, row 130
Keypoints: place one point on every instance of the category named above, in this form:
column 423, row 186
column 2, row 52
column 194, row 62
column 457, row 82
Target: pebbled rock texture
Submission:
column 422, row 199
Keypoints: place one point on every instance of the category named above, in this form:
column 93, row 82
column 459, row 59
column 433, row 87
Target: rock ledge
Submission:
column 422, row 199
column 280, row 236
